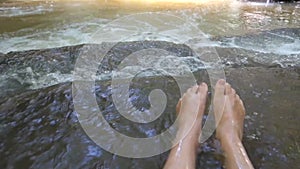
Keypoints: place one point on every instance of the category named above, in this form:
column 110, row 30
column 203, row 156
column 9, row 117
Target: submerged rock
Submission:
column 40, row 68
column 279, row 46
column 39, row 125
column 39, row 128
column 1, row 57
column 35, row 69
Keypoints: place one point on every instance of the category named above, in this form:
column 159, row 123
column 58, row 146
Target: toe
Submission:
column 178, row 106
column 195, row 89
column 228, row 90
column 233, row 91
column 192, row 89
column 220, row 88
column 203, row 90
column 238, row 97
column 242, row 104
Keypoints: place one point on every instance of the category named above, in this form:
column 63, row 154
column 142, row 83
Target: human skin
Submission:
column 183, row 155
column 229, row 114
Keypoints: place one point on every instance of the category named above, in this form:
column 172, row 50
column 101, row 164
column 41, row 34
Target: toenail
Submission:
column 222, row 82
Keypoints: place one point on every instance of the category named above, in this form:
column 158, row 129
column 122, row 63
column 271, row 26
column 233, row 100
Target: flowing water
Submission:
column 258, row 45
column 35, row 25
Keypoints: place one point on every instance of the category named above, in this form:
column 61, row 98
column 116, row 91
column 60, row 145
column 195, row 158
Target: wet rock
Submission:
column 1, row 57
column 273, row 115
column 40, row 68
column 284, row 51
column 39, row 125
column 39, row 128
column 34, row 69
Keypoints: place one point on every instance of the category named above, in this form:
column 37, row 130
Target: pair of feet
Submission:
column 229, row 115
column 228, row 109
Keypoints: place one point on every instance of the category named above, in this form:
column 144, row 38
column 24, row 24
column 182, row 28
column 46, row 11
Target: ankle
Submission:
column 230, row 140
column 191, row 141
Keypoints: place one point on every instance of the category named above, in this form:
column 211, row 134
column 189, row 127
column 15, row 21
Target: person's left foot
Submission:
column 190, row 110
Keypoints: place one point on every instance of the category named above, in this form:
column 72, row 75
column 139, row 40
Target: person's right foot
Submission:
column 229, row 112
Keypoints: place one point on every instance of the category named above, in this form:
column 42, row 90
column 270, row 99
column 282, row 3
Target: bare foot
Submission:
column 229, row 111
column 190, row 109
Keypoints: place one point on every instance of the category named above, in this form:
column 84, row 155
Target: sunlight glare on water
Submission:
column 258, row 45
column 47, row 24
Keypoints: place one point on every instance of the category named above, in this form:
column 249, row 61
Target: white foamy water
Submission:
column 282, row 42
column 232, row 26
column 24, row 11
column 41, row 25
column 160, row 66
column 73, row 34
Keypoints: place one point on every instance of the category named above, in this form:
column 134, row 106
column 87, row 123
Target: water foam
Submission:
column 68, row 35
column 34, row 80
column 24, row 11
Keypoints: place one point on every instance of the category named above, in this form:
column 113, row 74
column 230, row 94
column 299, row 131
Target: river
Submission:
column 258, row 46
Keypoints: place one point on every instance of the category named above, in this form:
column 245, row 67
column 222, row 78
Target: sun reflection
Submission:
column 174, row 1
column 155, row 1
